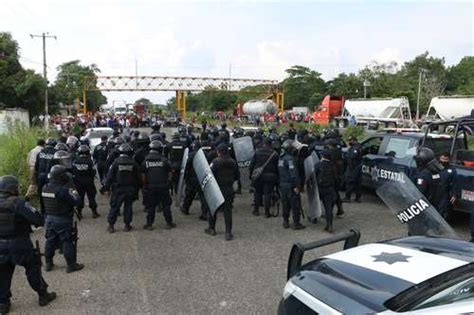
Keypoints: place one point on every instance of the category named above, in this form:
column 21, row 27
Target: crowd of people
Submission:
column 64, row 171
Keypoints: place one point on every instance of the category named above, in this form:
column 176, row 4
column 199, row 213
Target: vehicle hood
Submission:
column 360, row 280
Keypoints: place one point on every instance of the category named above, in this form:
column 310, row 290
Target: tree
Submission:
column 302, row 87
column 70, row 81
column 144, row 101
column 347, row 85
column 461, row 77
column 18, row 87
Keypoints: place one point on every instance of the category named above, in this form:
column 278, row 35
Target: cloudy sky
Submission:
column 254, row 39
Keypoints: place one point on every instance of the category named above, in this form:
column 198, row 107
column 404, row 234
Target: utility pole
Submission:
column 366, row 84
column 420, row 76
column 46, row 114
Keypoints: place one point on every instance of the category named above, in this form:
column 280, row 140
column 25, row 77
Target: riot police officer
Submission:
column 448, row 175
column 265, row 184
column 289, row 187
column 43, row 164
column 100, row 157
column 333, row 144
column 143, row 148
column 175, row 150
column 428, row 177
column 124, row 180
column 156, row 176
column 113, row 153
column 353, row 171
column 327, row 184
column 226, row 172
column 192, row 184
column 84, row 173
column 16, row 248
column 59, row 201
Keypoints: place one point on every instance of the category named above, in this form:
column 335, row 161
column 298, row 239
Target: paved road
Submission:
column 186, row 271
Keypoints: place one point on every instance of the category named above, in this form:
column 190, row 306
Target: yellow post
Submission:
column 84, row 99
column 280, row 101
column 181, row 104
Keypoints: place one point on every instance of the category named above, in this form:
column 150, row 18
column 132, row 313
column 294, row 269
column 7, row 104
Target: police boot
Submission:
column 340, row 212
column 127, row 228
column 95, row 214
column 358, row 198
column 49, row 265
column 210, row 231
column 329, row 228
column 74, row 267
column 203, row 217
column 255, row 211
column 148, row 227
column 4, row 308
column 297, row 226
column 45, row 298
column 286, row 225
column 110, row 228
column 229, row 236
column 170, row 226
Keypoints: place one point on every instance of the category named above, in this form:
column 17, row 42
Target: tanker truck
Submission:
column 376, row 112
column 444, row 108
column 265, row 110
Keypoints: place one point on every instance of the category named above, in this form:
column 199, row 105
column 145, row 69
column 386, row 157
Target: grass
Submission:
column 14, row 148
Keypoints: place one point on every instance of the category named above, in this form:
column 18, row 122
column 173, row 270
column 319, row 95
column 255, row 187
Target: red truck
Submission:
column 330, row 107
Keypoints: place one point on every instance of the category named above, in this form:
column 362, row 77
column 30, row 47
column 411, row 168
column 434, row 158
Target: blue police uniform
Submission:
column 290, row 200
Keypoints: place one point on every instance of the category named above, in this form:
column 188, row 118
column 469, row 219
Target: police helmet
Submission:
column 119, row 140
column 50, row 141
column 63, row 158
column 125, row 149
column 424, row 156
column 222, row 148
column 8, row 183
column 196, row 145
column 143, row 138
column 61, row 146
column 83, row 150
column 156, row 145
column 59, row 173
column 155, row 136
column 72, row 141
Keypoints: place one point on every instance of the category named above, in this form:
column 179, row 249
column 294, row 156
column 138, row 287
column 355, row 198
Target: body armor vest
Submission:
column 52, row 205
column 7, row 220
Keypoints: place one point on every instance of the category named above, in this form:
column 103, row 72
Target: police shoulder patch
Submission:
column 436, row 176
column 420, row 181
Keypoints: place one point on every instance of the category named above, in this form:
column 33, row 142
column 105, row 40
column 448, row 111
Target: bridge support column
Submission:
column 181, row 104
column 279, row 99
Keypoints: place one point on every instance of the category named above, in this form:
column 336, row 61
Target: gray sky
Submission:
column 255, row 39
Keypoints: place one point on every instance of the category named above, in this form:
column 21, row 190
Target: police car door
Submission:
column 370, row 151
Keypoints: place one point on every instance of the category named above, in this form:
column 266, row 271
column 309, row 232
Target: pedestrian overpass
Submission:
column 181, row 85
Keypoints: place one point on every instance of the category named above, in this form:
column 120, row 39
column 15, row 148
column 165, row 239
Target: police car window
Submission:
column 398, row 147
column 372, row 145
column 463, row 291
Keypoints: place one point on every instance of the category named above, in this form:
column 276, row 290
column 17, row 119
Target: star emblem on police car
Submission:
column 391, row 258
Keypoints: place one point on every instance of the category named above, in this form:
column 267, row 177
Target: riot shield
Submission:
column 412, row 209
column 244, row 152
column 180, row 192
column 209, row 186
column 314, row 204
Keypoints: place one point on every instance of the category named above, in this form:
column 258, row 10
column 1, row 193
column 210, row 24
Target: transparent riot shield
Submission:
column 312, row 191
column 244, row 152
column 181, row 184
column 209, row 186
column 412, row 209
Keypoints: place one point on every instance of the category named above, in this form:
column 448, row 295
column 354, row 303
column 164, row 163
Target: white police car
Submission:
column 412, row 275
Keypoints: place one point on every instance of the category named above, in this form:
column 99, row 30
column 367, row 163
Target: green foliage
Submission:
column 18, row 87
column 303, row 87
column 461, row 77
column 70, row 81
column 14, row 151
column 354, row 131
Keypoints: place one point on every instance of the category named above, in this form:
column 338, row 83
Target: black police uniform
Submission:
column 226, row 171
column 265, row 184
column 84, row 173
column 44, row 162
column 353, row 172
column 113, row 154
column 124, row 180
column 175, row 151
column 290, row 200
column 16, row 248
column 156, row 170
column 100, row 157
column 327, row 184
column 338, row 162
column 448, row 176
column 59, row 206
column 192, row 188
